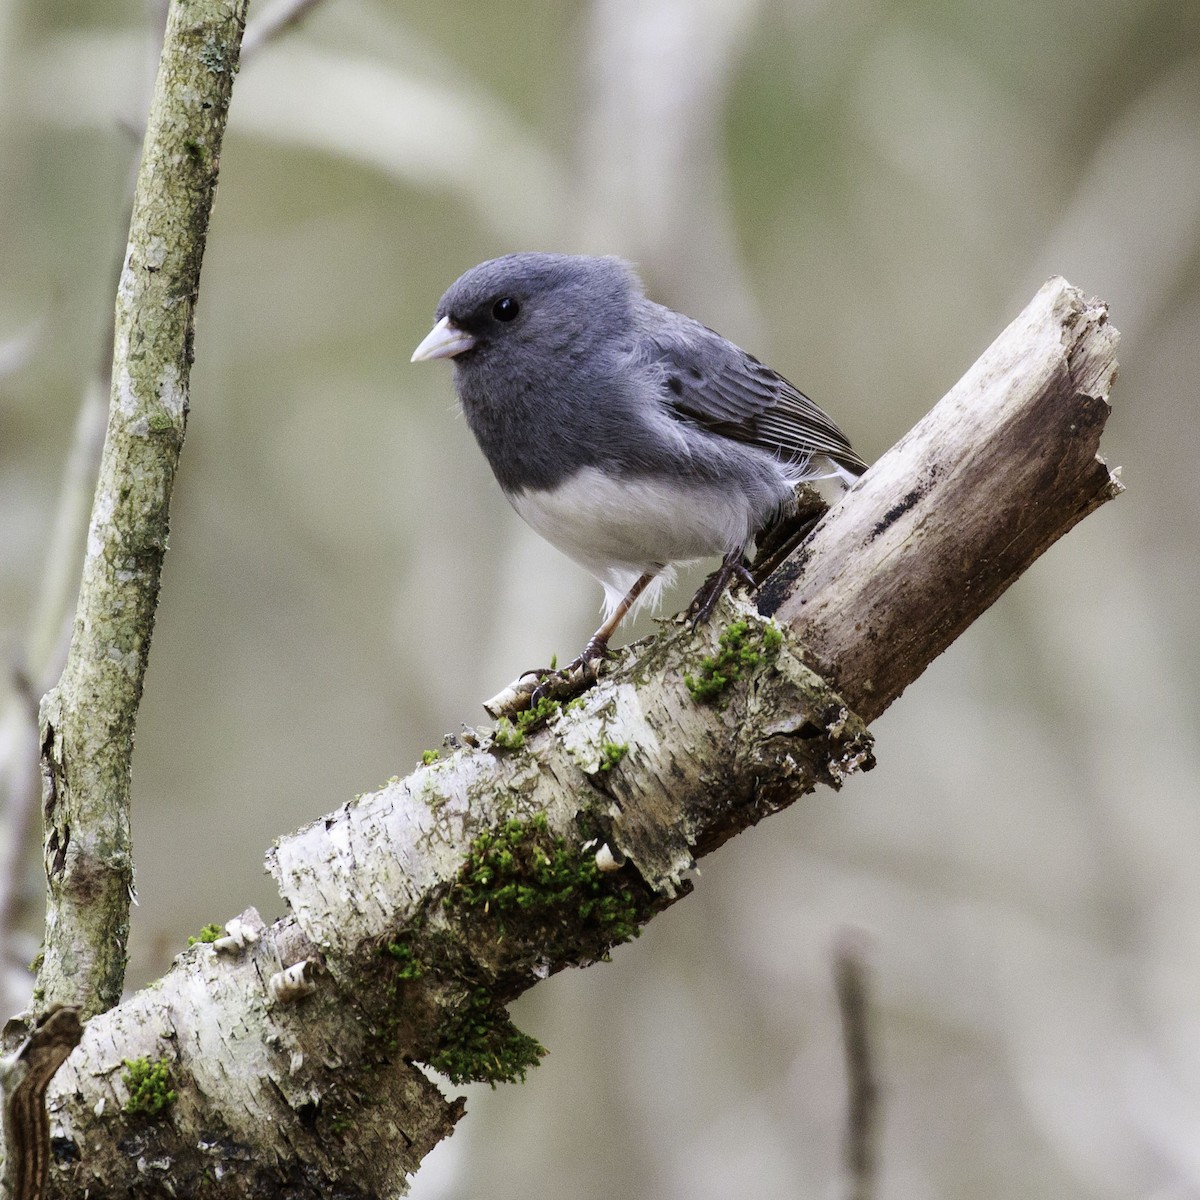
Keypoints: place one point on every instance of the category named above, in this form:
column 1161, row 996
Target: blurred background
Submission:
column 861, row 193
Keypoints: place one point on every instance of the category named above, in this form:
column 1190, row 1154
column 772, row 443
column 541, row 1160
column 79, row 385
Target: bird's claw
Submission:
column 580, row 673
column 713, row 588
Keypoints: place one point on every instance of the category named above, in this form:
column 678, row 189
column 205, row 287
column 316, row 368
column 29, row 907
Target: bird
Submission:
column 629, row 436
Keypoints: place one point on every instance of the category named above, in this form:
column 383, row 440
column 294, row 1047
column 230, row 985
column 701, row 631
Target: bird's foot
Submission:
column 551, row 683
column 577, row 676
column 713, row 588
column 783, row 538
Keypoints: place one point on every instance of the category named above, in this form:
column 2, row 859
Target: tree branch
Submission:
column 42, row 657
column 958, row 509
column 418, row 911
column 24, row 1077
column 88, row 719
column 852, row 983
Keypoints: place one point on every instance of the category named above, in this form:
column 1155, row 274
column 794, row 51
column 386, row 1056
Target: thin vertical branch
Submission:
column 862, row 1086
column 43, row 657
column 88, row 719
column 39, row 662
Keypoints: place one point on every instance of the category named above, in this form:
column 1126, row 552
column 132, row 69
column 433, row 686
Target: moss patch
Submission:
column 542, row 711
column 542, row 899
column 611, row 753
column 524, row 869
column 525, row 898
column 510, row 735
column 506, row 736
column 478, row 1043
column 411, row 966
column 149, row 1084
column 209, row 933
column 743, row 647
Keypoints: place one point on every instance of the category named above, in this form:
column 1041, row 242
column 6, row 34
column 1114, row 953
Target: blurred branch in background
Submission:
column 278, row 19
column 653, row 176
column 852, row 982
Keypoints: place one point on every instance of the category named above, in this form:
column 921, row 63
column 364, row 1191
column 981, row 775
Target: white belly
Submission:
column 621, row 529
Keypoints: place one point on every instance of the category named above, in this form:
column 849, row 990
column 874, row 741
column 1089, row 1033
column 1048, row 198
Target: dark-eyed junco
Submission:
column 628, row 435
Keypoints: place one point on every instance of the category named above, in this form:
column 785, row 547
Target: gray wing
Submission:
column 709, row 380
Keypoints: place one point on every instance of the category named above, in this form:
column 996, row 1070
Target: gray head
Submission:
column 536, row 340
column 530, row 300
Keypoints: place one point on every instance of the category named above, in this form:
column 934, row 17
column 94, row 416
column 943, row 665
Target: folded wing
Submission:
column 709, row 380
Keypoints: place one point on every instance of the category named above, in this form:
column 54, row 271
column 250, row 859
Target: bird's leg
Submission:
column 732, row 567
column 597, row 645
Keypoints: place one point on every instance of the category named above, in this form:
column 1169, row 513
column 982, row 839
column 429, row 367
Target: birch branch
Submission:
column 418, row 911
column 87, row 720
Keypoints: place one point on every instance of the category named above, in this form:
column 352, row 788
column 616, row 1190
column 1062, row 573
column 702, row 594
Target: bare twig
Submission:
column 851, row 980
column 44, row 657
column 276, row 20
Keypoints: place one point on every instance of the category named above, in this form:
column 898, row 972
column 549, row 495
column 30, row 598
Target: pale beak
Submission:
column 444, row 340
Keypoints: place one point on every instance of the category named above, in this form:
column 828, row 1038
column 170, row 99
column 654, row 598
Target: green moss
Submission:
column 149, row 1085
column 411, row 966
column 540, row 898
column 429, row 756
column 611, row 753
column 543, row 710
column 510, row 735
column 480, row 1044
column 209, row 933
column 507, row 736
column 523, row 868
column 742, row 648
column 340, row 1124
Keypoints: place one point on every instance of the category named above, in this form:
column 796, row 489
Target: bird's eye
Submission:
column 505, row 309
